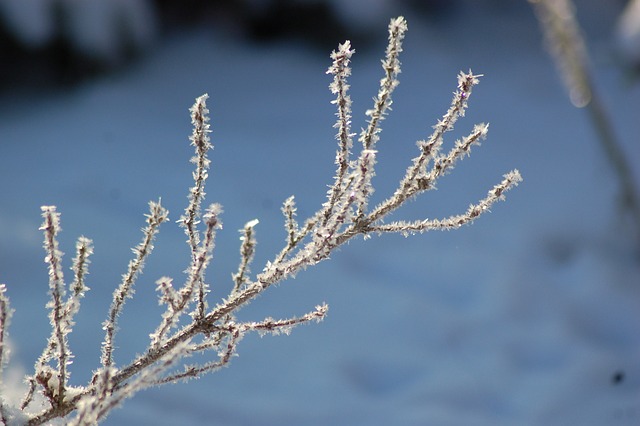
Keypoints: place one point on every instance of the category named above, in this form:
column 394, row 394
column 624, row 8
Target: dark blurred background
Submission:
column 56, row 43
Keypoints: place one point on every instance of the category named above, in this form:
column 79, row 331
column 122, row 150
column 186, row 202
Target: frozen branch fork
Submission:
column 189, row 324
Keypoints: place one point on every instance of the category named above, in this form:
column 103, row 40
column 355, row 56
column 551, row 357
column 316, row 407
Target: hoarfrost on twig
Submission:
column 216, row 331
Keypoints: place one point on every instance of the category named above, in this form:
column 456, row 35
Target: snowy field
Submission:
column 531, row 316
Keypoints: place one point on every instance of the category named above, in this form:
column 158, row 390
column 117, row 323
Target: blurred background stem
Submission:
column 568, row 49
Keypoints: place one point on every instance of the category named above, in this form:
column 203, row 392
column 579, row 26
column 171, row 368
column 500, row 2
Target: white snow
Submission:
column 524, row 318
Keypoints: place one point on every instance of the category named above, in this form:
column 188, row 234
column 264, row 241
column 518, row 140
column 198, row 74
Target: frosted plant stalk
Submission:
column 188, row 325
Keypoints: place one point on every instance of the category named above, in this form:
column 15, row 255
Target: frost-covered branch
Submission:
column 215, row 330
column 5, row 316
column 200, row 140
column 177, row 301
column 391, row 66
column 247, row 250
column 510, row 180
column 341, row 71
column 57, row 342
column 54, row 380
column 84, row 249
column 157, row 215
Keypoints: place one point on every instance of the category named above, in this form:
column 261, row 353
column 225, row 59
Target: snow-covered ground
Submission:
column 524, row 318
